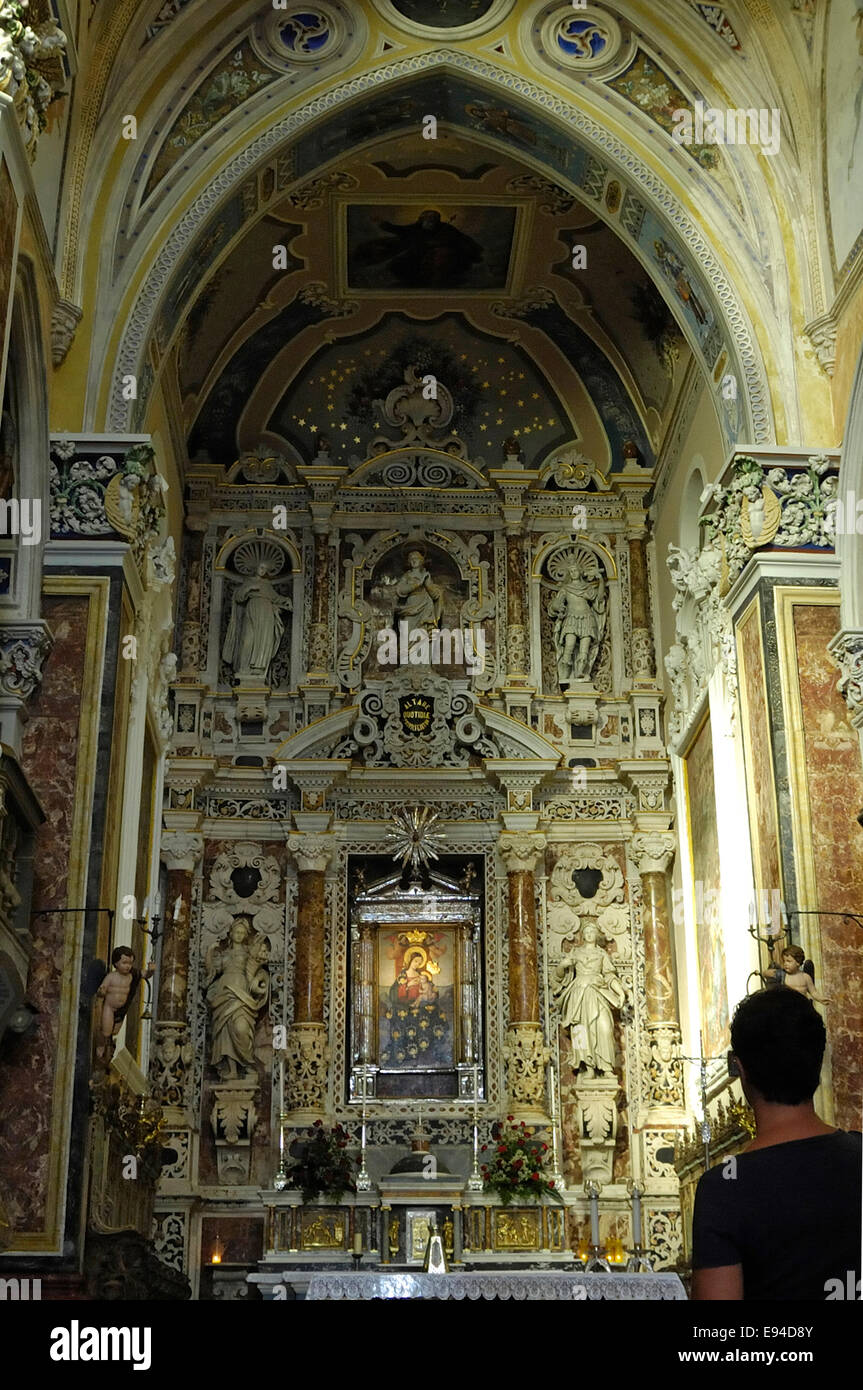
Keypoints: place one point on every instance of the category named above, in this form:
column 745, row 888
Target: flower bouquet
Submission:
column 516, row 1166
column 322, row 1165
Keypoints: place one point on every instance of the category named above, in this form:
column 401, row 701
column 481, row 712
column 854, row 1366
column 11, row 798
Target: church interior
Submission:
column 431, row 625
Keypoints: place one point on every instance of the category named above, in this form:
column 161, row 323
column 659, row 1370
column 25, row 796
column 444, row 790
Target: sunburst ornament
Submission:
column 413, row 838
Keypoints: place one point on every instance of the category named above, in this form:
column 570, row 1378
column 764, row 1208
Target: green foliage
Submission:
column 323, row 1167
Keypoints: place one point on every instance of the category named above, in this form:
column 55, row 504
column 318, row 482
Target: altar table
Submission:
column 546, row 1285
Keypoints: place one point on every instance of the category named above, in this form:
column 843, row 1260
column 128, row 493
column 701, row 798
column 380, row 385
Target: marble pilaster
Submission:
column 180, row 851
column 307, row 1048
column 653, row 852
column 525, row 1051
column 643, row 655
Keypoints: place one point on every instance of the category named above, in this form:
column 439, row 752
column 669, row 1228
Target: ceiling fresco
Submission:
column 594, row 356
column 497, row 391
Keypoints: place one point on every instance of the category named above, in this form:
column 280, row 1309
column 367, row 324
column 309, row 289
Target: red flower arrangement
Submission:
column 322, row 1165
column 516, row 1171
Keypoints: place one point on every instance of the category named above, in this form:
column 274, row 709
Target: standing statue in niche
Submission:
column 579, row 609
column 256, row 628
column 238, row 987
column 420, row 600
column 587, row 988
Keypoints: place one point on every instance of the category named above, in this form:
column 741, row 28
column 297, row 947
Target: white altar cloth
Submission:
column 546, row 1285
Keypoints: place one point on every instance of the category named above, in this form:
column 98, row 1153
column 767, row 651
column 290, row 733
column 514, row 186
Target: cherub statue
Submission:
column 116, row 993
column 792, row 969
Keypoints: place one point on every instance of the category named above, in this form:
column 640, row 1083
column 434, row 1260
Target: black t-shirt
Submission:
column 790, row 1217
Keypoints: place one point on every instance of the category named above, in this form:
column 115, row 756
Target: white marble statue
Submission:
column 255, row 628
column 587, row 988
column 238, row 986
column 420, row 600
column 578, row 607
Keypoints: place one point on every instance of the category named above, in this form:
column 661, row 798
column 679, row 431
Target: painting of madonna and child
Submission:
column 416, row 1022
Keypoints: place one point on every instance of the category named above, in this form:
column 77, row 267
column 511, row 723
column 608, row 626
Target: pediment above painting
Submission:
column 418, row 721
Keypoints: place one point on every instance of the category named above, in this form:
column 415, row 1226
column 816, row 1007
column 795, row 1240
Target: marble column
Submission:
column 517, row 660
column 172, row 1053
column 653, row 852
column 525, row 1051
column 180, row 851
column 643, row 656
column 307, row 1049
column 192, row 651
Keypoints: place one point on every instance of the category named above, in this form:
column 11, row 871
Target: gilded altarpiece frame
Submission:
column 416, row 1015
column 452, row 1125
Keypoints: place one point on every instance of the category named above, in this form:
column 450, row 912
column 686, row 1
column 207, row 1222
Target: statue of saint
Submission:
column 256, row 627
column 238, row 986
column 578, row 608
column 587, row 988
column 420, row 600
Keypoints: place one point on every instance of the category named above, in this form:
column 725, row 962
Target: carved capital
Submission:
column 31, row 67
column 846, row 648
column 525, row 1055
column 662, row 1083
column 23, row 649
column 65, row 318
column 181, row 850
column 233, row 1118
column 520, row 852
column 653, row 852
column 312, row 852
column 306, row 1059
column 171, row 1057
column 596, row 1120
column 821, row 333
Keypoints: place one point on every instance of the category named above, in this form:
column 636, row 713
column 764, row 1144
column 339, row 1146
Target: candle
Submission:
column 636, row 1217
column 281, row 1086
column 594, row 1215
column 358, row 1242
column 752, row 918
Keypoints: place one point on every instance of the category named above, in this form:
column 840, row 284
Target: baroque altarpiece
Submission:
column 527, row 971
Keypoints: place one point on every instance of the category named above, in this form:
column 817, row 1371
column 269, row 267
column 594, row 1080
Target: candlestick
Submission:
column 594, row 1215
column 364, row 1181
column 475, row 1181
column 597, row 1263
column 637, row 1231
column 554, row 1119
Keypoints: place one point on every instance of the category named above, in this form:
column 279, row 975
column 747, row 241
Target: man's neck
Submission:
column 779, row 1124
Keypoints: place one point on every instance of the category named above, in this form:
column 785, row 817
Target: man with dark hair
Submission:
column 781, row 1220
